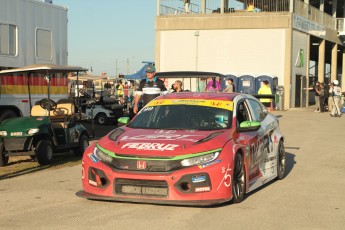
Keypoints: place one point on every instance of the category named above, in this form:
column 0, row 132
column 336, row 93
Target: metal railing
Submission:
column 314, row 14
column 168, row 7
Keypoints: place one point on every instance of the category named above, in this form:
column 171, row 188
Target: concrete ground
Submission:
column 312, row 196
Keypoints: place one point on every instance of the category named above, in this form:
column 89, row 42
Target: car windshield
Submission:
column 186, row 117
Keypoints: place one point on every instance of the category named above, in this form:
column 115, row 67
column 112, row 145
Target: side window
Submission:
column 242, row 113
column 257, row 111
column 8, row 39
column 43, row 44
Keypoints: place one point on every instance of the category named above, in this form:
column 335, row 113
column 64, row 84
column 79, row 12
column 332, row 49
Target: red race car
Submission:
column 187, row 149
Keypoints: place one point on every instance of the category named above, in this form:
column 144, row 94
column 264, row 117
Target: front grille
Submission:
column 147, row 188
column 150, row 165
column 14, row 144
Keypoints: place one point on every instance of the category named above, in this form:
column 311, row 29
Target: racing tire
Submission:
column 101, row 119
column 3, row 158
column 238, row 180
column 44, row 152
column 7, row 114
column 281, row 161
column 83, row 144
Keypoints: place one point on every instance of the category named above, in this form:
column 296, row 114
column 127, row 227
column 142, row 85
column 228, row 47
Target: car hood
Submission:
column 162, row 143
column 22, row 124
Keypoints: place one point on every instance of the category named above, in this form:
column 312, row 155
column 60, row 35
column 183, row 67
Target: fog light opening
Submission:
column 103, row 181
column 186, row 186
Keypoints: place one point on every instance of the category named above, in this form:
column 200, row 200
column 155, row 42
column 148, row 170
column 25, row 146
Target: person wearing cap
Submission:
column 265, row 89
column 335, row 92
column 149, row 88
column 230, row 87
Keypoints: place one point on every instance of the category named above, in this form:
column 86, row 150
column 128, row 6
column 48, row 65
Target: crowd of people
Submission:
column 327, row 97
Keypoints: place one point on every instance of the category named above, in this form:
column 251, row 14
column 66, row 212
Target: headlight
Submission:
column 3, row 133
column 200, row 159
column 102, row 156
column 32, row 131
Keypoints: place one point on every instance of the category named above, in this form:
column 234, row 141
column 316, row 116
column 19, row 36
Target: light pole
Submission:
column 196, row 34
column 128, row 64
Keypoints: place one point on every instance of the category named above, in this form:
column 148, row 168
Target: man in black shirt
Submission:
column 149, row 88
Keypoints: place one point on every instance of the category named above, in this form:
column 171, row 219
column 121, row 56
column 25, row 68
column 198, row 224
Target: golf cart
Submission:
column 51, row 128
column 102, row 110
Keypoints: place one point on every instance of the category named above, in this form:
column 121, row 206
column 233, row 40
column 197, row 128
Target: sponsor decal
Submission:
column 197, row 179
column 209, row 164
column 203, row 189
column 148, row 108
column 163, row 136
column 226, row 178
column 93, row 158
column 40, row 119
column 141, row 164
column 209, row 103
column 150, row 146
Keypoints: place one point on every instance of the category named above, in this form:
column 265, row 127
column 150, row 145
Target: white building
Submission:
column 288, row 39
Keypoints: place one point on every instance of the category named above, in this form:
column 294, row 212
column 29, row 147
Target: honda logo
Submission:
column 141, row 164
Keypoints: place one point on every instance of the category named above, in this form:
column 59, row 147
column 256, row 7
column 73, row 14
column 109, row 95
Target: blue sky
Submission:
column 101, row 31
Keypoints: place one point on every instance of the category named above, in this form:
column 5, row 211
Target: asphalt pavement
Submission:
column 310, row 197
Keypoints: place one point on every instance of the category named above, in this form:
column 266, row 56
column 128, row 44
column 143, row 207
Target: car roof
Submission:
column 200, row 96
column 44, row 68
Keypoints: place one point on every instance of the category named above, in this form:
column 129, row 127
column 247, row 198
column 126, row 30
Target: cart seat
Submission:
column 63, row 110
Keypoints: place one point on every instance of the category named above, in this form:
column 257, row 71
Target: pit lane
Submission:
column 310, row 197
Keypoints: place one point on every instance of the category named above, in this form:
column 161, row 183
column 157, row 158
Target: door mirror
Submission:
column 249, row 126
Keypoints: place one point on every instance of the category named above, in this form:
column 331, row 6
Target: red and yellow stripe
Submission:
column 18, row 84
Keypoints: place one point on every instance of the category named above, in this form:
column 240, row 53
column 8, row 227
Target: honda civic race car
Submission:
column 187, row 149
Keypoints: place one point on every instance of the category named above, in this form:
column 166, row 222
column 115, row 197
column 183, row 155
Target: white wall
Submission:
column 237, row 51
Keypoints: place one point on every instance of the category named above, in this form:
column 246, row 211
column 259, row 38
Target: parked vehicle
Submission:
column 102, row 110
column 51, row 128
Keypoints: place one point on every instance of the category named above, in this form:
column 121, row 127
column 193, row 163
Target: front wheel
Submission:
column 83, row 144
column 101, row 119
column 44, row 152
column 3, row 158
column 238, row 181
column 281, row 161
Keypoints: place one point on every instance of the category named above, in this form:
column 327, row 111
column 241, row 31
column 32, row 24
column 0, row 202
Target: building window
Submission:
column 8, row 39
column 43, row 44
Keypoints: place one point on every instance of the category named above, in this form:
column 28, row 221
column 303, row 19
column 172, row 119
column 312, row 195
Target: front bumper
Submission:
column 195, row 186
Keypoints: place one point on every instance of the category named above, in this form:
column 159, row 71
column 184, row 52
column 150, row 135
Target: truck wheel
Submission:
column 7, row 114
column 44, row 152
column 83, row 143
column 3, row 158
column 101, row 119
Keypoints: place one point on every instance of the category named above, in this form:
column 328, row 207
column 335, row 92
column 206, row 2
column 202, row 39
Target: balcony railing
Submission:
column 171, row 7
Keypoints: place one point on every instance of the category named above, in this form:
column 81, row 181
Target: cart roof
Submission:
column 44, row 68
column 188, row 74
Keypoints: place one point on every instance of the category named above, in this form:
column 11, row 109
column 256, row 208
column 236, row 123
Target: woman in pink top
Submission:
column 214, row 85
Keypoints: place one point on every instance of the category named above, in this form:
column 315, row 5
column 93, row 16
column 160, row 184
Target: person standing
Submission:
column 149, row 88
column 214, row 85
column 230, row 88
column 335, row 91
column 177, row 86
column 265, row 89
column 120, row 92
column 186, row 6
column 322, row 96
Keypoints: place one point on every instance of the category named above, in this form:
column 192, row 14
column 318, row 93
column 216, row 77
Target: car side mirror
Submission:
column 249, row 126
column 124, row 120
